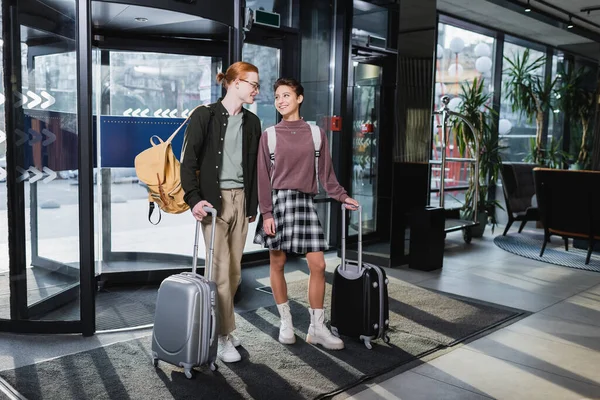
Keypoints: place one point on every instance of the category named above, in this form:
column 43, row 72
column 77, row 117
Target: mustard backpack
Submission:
column 159, row 169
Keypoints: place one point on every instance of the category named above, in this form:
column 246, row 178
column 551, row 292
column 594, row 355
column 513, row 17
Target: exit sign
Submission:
column 262, row 17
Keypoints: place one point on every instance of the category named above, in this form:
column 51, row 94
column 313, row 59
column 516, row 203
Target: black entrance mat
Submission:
column 529, row 244
column 423, row 321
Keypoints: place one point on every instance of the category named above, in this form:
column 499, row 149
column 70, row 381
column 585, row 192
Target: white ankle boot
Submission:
column 286, row 329
column 318, row 333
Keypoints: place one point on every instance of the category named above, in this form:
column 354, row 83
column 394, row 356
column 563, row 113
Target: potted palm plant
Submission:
column 475, row 108
column 579, row 103
column 530, row 95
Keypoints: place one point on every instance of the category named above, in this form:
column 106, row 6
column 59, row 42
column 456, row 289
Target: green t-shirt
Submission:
column 232, row 176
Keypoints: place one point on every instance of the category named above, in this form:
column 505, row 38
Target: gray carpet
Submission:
column 116, row 308
column 422, row 322
column 528, row 244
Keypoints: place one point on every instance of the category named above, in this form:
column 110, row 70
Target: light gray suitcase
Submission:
column 186, row 319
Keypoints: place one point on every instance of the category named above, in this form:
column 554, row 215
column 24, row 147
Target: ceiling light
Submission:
column 528, row 8
column 141, row 19
column 570, row 25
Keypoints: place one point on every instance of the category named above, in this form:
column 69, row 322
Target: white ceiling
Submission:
column 521, row 24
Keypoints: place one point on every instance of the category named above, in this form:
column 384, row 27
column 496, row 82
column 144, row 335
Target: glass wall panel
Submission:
column 367, row 91
column 462, row 56
column 44, row 166
column 4, row 278
column 515, row 131
column 316, row 25
column 369, row 24
column 267, row 59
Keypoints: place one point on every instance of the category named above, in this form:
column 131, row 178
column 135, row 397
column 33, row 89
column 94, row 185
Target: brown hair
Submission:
column 235, row 71
column 291, row 82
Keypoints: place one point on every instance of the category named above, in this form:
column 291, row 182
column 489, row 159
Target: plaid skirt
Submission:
column 297, row 226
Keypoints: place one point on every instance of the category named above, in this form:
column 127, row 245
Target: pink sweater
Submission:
column 295, row 165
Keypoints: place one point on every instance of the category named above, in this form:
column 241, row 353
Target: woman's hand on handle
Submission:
column 351, row 204
column 269, row 226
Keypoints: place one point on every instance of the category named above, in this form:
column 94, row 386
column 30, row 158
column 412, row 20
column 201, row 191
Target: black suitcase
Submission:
column 359, row 297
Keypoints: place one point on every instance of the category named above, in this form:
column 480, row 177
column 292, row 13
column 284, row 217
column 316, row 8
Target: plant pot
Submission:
column 477, row 230
column 575, row 167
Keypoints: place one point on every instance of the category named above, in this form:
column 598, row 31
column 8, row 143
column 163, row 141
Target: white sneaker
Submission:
column 227, row 352
column 286, row 329
column 235, row 340
column 318, row 333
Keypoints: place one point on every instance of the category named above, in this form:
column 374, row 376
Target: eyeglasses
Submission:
column 255, row 86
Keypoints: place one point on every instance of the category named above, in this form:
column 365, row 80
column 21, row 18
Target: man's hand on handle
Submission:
column 198, row 210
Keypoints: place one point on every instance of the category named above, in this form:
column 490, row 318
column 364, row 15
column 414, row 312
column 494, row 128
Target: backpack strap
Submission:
column 271, row 142
column 316, row 136
column 170, row 139
column 151, row 211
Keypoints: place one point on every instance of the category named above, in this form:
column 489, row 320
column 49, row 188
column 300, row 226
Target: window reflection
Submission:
column 462, row 56
column 514, row 130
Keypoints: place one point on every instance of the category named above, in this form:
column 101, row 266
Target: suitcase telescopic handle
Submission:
column 344, row 208
column 211, row 249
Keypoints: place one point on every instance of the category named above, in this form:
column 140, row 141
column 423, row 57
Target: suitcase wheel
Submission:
column 213, row 366
column 155, row 361
column 386, row 338
column 188, row 373
column 335, row 332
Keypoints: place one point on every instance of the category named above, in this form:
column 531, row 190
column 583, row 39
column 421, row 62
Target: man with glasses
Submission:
column 218, row 169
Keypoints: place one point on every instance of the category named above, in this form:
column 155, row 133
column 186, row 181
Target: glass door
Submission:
column 138, row 95
column 42, row 161
column 365, row 150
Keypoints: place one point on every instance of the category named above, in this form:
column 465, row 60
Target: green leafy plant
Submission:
column 553, row 156
column 529, row 94
column 475, row 108
column 579, row 103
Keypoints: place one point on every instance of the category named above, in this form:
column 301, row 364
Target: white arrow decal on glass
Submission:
column 51, row 175
column 2, row 174
column 51, row 137
column 157, row 112
column 2, row 99
column 184, row 113
column 22, row 137
column 23, row 174
column 36, row 137
column 173, row 114
column 2, row 136
column 22, row 100
column 37, row 175
column 49, row 99
column 35, row 99
column 136, row 113
column 145, row 112
column 127, row 112
column 165, row 114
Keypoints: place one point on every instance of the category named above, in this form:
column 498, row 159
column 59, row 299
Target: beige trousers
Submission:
column 230, row 238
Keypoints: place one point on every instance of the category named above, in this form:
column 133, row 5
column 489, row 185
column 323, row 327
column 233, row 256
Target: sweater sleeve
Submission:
column 327, row 174
column 263, row 168
column 190, row 162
